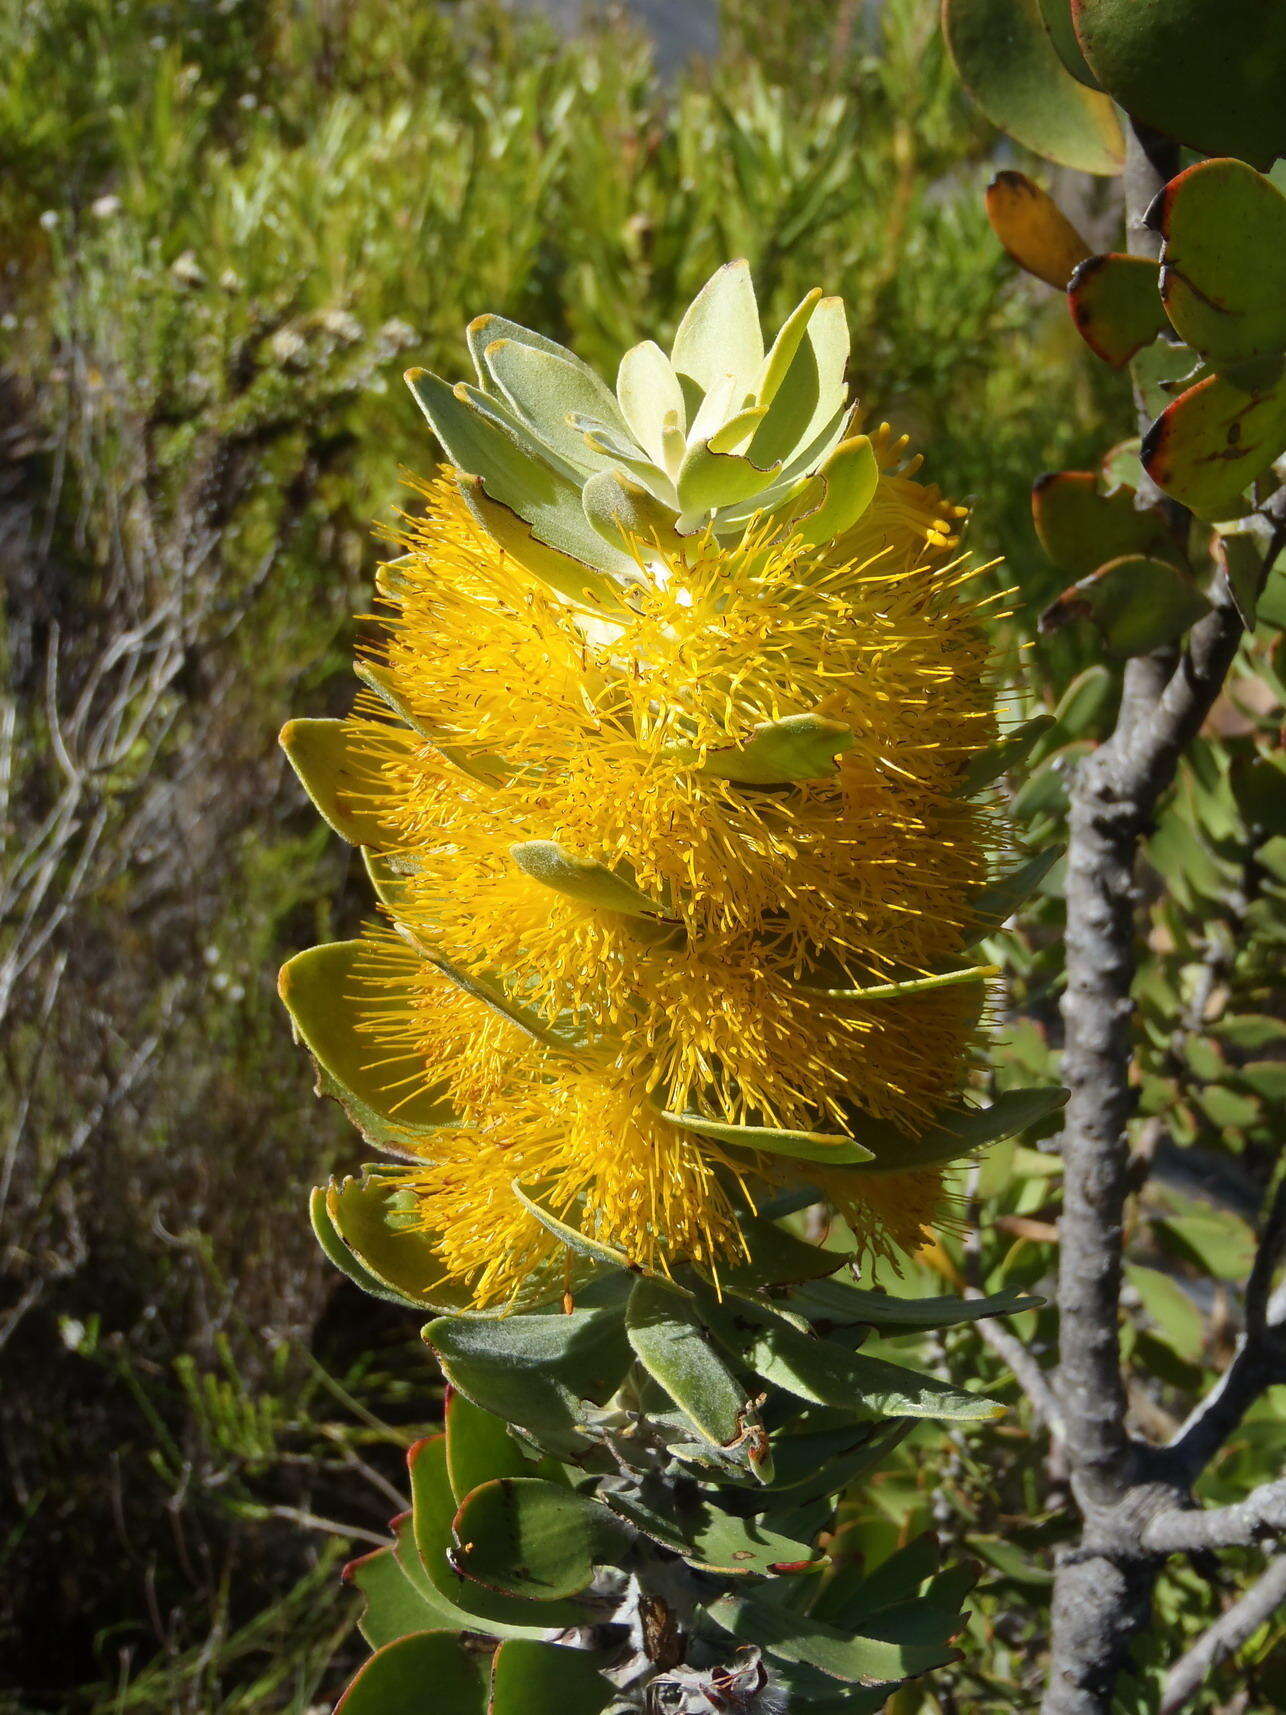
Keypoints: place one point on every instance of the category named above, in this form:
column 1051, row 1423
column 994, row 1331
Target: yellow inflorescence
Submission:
column 537, row 721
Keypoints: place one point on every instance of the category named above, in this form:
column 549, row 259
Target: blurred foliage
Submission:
column 226, row 229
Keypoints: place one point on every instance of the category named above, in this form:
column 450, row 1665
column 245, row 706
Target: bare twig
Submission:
column 1234, row 1627
column 1258, row 1518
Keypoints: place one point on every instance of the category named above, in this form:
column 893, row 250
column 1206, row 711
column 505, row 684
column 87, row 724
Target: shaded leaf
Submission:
column 387, row 1097
column 713, row 1540
column 428, row 1673
column 525, row 1537
column 1007, row 62
column 1208, row 73
column 530, row 1678
column 894, row 1651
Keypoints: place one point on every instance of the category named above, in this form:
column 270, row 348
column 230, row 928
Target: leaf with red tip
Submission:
column 1116, row 306
column 1136, row 604
column 1081, row 528
column 1033, row 229
column 1223, row 273
column 1212, row 443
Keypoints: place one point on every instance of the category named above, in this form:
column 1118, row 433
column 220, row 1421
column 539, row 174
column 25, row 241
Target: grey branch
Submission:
column 1188, row 1530
column 1234, row 1627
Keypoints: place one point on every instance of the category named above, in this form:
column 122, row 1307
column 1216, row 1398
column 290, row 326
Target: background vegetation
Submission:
column 225, row 230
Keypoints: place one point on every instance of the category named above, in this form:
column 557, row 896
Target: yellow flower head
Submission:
column 646, row 842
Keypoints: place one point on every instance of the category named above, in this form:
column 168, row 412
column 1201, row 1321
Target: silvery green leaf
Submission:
column 483, row 331
column 623, row 454
column 565, row 573
column 514, row 476
column 720, row 334
column 625, row 512
column 797, row 747
column 546, row 392
column 649, row 392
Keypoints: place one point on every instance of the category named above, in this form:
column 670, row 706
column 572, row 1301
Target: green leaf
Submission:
column 1116, row 306
column 1169, row 1306
column 529, row 1678
column 882, row 1658
column 608, row 1255
column 1008, row 64
column 1081, row 528
column 811, row 395
column 564, row 572
column 992, row 906
column 582, row 879
column 536, row 1370
column 708, row 480
column 335, row 766
column 1223, row 275
column 835, row 1148
column 838, row 1301
column 1241, row 550
column 385, row 1256
column 1046, row 790
column 956, row 1132
column 1213, row 441
column 628, row 515
column 853, row 1593
column 671, row 1342
column 478, row 1609
column 428, row 1673
column 389, row 1098
column 1135, row 604
column 999, row 758
column 719, row 334
column 1057, row 18
column 525, row 1537
column 394, row 1607
column 836, row 497
column 477, row 764
column 778, row 1258
column 1085, row 706
column 1208, row 73
column 712, row 1540
column 796, row 747
column 828, row 1374
column 478, row 1447
column 901, row 987
column 1035, row 232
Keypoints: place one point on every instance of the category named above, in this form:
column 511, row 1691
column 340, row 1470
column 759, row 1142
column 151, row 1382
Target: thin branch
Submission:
column 1234, row 1627
column 1258, row 1363
column 1188, row 1530
column 1034, row 1382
